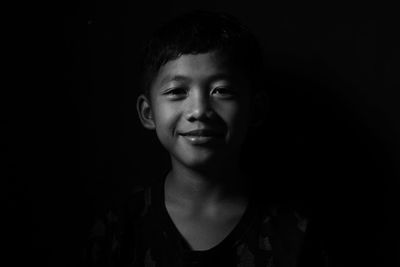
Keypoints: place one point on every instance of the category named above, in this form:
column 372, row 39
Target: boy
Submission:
column 201, row 94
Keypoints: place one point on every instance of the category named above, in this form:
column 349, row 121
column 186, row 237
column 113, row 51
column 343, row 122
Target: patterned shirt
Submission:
column 142, row 234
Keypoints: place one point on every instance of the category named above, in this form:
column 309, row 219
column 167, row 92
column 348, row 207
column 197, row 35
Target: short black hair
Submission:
column 198, row 32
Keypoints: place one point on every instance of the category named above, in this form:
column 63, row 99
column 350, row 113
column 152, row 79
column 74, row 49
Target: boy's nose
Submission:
column 199, row 108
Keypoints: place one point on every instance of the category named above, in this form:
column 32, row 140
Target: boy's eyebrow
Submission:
column 175, row 78
column 221, row 76
column 182, row 78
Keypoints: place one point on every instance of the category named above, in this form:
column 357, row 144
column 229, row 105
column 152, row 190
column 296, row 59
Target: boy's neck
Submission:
column 204, row 187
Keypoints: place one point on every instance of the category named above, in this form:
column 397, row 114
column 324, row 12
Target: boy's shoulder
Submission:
column 281, row 212
column 108, row 229
column 129, row 208
column 137, row 202
column 282, row 218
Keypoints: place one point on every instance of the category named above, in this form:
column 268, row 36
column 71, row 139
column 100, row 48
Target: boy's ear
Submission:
column 145, row 113
column 259, row 109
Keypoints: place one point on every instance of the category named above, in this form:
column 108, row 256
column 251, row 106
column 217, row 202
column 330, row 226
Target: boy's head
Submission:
column 200, row 32
column 201, row 74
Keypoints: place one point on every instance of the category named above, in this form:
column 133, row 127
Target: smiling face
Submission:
column 200, row 108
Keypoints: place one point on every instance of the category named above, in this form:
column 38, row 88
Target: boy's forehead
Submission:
column 189, row 66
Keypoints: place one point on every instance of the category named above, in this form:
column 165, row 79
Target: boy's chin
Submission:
column 203, row 158
column 202, row 162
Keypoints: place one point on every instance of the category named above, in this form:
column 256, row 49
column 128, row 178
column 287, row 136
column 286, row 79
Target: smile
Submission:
column 202, row 137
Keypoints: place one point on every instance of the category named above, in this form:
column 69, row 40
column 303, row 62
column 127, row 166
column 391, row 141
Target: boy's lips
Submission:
column 203, row 133
column 202, row 136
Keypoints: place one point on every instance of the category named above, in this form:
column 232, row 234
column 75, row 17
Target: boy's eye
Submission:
column 176, row 92
column 225, row 92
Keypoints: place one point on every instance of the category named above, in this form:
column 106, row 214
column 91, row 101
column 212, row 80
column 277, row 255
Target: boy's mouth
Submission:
column 202, row 136
column 203, row 133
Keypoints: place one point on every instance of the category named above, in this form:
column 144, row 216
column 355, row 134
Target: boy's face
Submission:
column 200, row 108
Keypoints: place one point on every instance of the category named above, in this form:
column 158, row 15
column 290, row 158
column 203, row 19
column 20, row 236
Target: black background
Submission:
column 331, row 139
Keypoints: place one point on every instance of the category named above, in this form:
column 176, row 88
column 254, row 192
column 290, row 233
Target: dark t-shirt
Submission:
column 141, row 233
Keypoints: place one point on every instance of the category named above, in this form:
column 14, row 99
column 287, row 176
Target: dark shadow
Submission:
column 317, row 154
